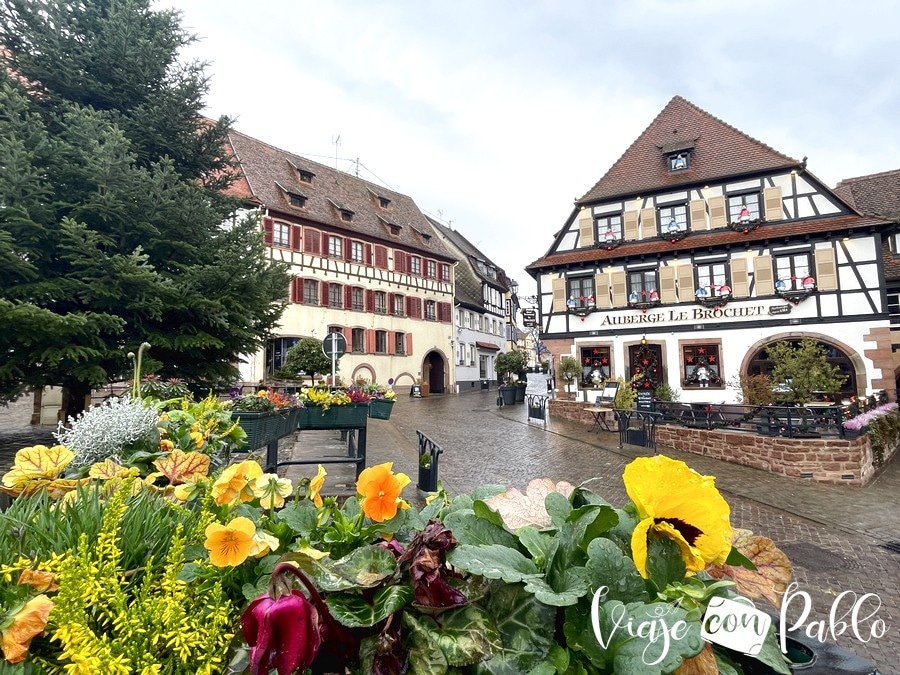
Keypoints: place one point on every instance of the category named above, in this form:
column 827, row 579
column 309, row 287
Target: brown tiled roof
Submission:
column 719, row 151
column 472, row 253
column 714, row 239
column 877, row 194
column 267, row 172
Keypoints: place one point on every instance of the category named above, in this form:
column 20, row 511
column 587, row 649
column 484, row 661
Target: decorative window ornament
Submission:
column 610, row 240
column 795, row 295
column 714, row 297
column 679, row 161
column 745, row 222
column 643, row 300
column 674, row 231
column 582, row 306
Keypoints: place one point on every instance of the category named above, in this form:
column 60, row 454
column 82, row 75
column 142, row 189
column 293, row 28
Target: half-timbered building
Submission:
column 700, row 247
column 480, row 312
column 364, row 261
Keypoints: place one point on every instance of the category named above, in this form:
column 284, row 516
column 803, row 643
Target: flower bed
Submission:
column 197, row 569
column 861, row 422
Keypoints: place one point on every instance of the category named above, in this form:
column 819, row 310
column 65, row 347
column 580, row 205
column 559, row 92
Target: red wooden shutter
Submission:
column 296, row 289
column 296, row 238
column 409, row 344
column 348, row 249
column 348, row 297
column 267, row 225
column 324, row 294
column 381, row 257
column 348, row 336
column 368, row 254
column 311, row 241
column 443, row 311
column 390, row 305
column 410, row 306
column 370, row 300
column 370, row 341
column 391, row 342
column 399, row 261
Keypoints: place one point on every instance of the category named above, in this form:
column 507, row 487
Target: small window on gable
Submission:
column 305, row 176
column 297, row 199
column 679, row 161
column 383, row 202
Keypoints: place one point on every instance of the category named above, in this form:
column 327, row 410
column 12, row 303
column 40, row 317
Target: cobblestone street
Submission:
column 839, row 538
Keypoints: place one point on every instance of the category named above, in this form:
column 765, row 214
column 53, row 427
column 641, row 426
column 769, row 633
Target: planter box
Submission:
column 520, row 392
column 261, row 427
column 380, row 409
column 350, row 416
column 851, row 434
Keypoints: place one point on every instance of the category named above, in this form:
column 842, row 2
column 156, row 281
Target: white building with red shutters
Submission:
column 364, row 261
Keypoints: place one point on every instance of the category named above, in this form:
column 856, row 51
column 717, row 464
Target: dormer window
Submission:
column 306, row 176
column 346, row 215
column 679, row 161
column 383, row 202
column 395, row 229
column 296, row 199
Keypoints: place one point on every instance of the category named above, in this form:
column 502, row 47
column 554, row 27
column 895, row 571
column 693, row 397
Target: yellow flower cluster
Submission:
column 161, row 625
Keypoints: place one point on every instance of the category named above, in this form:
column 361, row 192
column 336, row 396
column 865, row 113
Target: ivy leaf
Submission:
column 773, row 569
column 468, row 528
column 571, row 585
column 494, row 561
column 608, row 566
column 301, row 518
column 526, row 628
column 353, row 611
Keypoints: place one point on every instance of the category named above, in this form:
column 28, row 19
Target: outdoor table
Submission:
column 599, row 415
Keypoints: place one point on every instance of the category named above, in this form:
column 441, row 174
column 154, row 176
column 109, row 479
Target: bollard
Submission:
column 429, row 452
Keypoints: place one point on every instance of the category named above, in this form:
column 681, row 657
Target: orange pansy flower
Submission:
column 236, row 483
column 380, row 489
column 27, row 623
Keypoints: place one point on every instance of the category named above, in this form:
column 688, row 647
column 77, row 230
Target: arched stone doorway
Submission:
column 757, row 360
column 434, row 372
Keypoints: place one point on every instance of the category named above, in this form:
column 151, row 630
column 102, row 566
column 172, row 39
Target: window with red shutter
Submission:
column 409, row 346
column 370, row 300
column 296, row 289
column 348, row 297
column 311, row 241
column 348, row 249
column 368, row 254
column 400, row 262
column 381, row 257
column 267, row 225
column 296, row 239
column 325, row 294
column 370, row 341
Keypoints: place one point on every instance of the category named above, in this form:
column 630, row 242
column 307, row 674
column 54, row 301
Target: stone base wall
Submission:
column 824, row 460
column 570, row 410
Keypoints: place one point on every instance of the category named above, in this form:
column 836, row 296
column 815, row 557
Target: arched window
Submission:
column 761, row 364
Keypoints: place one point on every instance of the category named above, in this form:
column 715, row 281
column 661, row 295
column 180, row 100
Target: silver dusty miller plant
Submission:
column 104, row 430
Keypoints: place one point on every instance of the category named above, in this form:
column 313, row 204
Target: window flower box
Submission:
column 262, row 427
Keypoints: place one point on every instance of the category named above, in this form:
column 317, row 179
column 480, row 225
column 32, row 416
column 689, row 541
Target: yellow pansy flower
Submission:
column 271, row 490
column 230, row 545
column 236, row 483
column 315, row 486
column 676, row 502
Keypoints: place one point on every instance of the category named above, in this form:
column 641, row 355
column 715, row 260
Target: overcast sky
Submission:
column 494, row 116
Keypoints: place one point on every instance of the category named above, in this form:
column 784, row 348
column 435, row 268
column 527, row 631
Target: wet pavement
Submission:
column 839, row 538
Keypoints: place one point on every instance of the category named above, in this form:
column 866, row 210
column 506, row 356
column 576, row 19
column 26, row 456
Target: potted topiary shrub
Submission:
column 569, row 369
column 506, row 364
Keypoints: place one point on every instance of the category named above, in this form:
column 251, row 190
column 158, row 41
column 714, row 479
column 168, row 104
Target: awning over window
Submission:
column 487, row 345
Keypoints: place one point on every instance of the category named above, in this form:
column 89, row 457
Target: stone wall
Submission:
column 824, row 460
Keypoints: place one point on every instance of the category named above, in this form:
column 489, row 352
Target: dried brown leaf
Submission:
column 773, row 569
column 518, row 510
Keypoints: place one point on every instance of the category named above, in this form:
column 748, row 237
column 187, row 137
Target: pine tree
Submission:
column 114, row 229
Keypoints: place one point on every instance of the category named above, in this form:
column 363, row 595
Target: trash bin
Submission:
column 429, row 452
column 484, row 384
